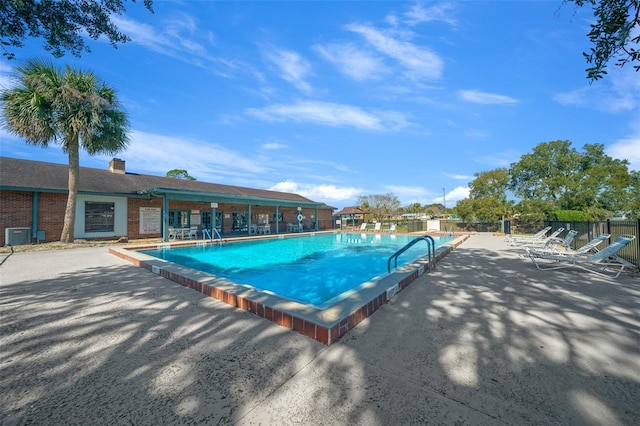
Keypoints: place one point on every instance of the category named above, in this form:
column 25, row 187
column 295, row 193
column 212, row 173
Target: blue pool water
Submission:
column 311, row 269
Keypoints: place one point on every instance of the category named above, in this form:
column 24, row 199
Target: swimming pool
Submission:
column 316, row 270
column 325, row 321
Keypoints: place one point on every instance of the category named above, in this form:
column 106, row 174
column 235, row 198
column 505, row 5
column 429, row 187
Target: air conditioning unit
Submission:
column 17, row 236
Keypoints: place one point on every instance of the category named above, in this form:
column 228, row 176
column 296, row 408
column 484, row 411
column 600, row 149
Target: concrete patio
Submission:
column 86, row 338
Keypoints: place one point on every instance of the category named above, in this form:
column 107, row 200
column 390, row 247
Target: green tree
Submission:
column 632, row 204
column 180, row 174
column 487, row 200
column 61, row 23
column 379, row 206
column 565, row 179
column 491, row 184
column 72, row 108
column 614, row 34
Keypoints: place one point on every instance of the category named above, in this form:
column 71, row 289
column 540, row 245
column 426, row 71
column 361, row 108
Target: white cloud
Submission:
column 176, row 39
column 322, row 192
column 618, row 91
column 479, row 97
column 330, row 114
column 459, row 177
column 596, row 98
column 142, row 34
column 420, row 62
column 452, row 197
column 627, row 149
column 356, row 63
column 204, row 160
column 273, row 146
column 293, row 68
column 7, row 81
column 418, row 13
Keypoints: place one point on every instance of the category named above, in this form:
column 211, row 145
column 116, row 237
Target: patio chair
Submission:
column 392, row 228
column 193, row 233
column 540, row 234
column 597, row 262
column 377, row 227
column 363, row 227
column 172, row 233
column 562, row 243
column 542, row 241
column 593, row 244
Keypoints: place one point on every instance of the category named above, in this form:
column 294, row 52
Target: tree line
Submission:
column 555, row 182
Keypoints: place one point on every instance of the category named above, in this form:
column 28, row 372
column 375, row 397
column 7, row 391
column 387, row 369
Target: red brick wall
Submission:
column 133, row 216
column 15, row 210
column 51, row 208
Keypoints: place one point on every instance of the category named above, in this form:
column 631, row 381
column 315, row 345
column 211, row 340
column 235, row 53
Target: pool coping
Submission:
column 324, row 325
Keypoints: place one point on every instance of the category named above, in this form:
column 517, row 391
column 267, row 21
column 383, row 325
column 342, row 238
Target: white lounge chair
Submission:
column 363, row 227
column 585, row 249
column 540, row 234
column 377, row 227
column 598, row 262
column 562, row 243
column 536, row 242
column 593, row 244
column 392, row 228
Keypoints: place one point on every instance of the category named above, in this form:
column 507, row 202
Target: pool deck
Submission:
column 88, row 338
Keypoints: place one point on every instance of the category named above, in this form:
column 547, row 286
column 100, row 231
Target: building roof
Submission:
column 351, row 210
column 27, row 175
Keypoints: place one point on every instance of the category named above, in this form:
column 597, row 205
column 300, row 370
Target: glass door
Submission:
column 179, row 218
column 206, row 220
column 239, row 221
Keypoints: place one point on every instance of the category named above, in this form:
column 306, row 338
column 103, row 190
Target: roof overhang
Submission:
column 190, row 195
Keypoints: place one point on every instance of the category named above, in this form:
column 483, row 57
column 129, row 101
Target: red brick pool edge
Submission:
column 308, row 325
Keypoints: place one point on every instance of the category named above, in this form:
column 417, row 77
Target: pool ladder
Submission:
column 431, row 252
column 205, row 233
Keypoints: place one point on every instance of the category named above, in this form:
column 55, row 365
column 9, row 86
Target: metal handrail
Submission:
column 205, row 232
column 431, row 252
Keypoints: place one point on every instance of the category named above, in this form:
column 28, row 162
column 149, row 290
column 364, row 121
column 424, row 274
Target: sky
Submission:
column 334, row 100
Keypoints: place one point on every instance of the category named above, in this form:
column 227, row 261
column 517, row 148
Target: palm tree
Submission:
column 72, row 108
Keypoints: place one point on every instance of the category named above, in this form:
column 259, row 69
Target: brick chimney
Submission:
column 116, row 166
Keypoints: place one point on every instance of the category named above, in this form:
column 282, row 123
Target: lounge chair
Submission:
column 593, row 244
column 597, row 262
column 363, row 227
column 392, row 228
column 562, row 243
column 540, row 234
column 378, row 226
column 537, row 242
column 588, row 247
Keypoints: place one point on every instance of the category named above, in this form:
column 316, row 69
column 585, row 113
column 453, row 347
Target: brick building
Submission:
column 113, row 203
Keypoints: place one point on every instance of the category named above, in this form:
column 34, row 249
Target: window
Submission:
column 98, row 216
